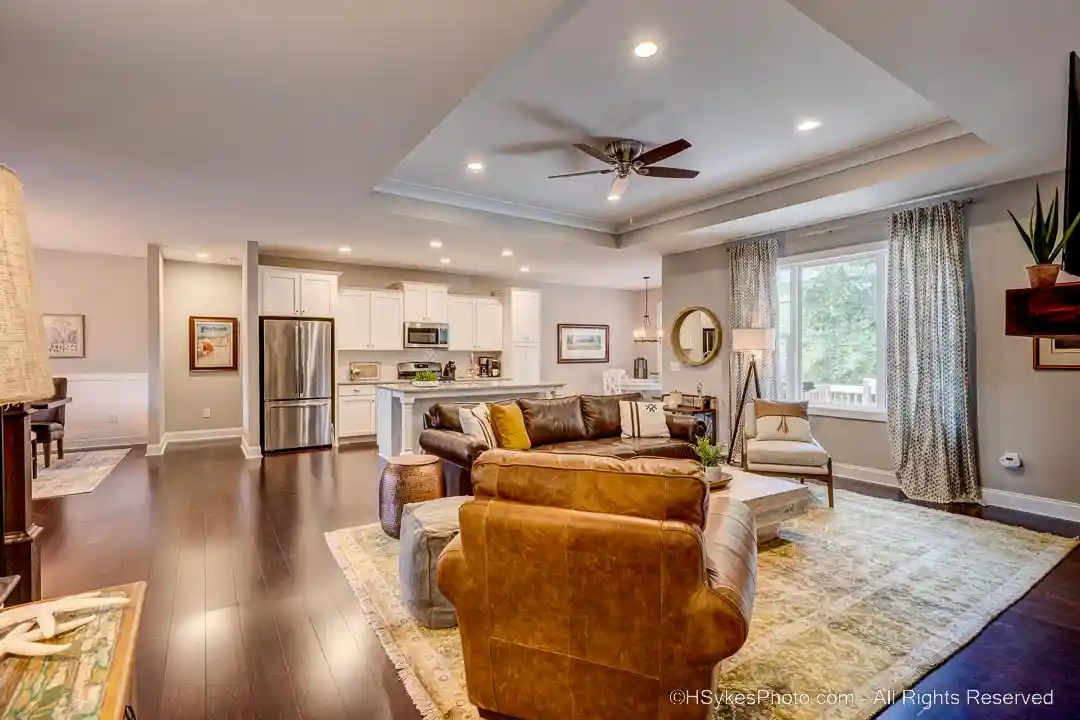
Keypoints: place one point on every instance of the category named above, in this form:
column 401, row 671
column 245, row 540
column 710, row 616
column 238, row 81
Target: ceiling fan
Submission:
column 628, row 156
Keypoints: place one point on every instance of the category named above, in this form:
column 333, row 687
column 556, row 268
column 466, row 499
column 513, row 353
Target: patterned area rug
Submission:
column 78, row 472
column 855, row 602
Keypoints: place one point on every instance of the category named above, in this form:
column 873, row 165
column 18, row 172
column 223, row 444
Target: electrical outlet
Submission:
column 113, row 419
column 206, row 412
column 1011, row 460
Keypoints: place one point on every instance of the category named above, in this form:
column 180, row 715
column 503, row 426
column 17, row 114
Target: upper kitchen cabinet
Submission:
column 489, row 324
column 296, row 293
column 369, row 320
column 475, row 323
column 425, row 303
column 524, row 315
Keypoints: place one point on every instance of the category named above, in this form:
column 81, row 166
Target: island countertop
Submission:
column 467, row 388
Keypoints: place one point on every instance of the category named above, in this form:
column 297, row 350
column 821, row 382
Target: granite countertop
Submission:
column 406, row 382
column 464, row 387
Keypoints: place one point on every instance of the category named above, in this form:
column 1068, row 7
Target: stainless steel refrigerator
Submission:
column 297, row 383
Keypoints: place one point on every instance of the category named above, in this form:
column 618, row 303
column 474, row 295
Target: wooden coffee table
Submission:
column 772, row 500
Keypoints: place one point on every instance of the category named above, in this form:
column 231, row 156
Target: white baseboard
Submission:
column 103, row 442
column 865, row 474
column 1032, row 504
column 155, row 449
column 251, row 452
column 186, row 436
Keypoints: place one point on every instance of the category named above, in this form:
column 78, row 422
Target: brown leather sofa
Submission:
column 595, row 588
column 581, row 424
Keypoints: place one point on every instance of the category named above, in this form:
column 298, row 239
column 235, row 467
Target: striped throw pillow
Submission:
column 643, row 420
column 476, row 423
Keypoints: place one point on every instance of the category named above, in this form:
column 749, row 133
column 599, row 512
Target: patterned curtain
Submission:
column 930, row 408
column 753, row 305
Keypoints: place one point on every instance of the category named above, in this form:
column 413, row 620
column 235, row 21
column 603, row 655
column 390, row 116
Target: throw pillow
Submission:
column 509, row 426
column 476, row 423
column 782, row 421
column 643, row 420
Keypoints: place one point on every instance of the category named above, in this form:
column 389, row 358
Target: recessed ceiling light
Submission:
column 614, row 198
column 808, row 124
column 435, row 243
column 646, row 49
column 524, row 268
column 444, row 261
column 344, row 249
column 475, row 166
column 202, row 256
column 507, row 253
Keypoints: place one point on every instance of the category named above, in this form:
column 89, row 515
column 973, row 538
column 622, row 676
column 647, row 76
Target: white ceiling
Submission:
column 200, row 125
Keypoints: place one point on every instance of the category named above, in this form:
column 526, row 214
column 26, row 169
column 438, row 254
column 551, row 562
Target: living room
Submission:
column 594, row 359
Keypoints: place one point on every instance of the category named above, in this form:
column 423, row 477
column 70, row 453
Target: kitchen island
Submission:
column 401, row 406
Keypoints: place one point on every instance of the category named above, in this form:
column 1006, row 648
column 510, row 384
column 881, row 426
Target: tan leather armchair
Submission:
column 589, row 587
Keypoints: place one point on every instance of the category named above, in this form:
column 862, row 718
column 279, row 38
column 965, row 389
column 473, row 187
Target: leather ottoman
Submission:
column 426, row 528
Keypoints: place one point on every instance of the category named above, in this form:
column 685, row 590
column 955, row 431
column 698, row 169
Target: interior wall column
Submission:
column 249, row 351
column 155, row 370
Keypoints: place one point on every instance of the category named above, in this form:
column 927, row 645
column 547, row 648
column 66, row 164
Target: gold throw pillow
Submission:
column 509, row 426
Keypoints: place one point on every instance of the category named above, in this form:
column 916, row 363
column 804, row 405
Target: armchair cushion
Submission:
column 785, row 452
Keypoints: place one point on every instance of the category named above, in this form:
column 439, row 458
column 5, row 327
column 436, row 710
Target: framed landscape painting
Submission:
column 65, row 335
column 1056, row 353
column 583, row 343
column 212, row 343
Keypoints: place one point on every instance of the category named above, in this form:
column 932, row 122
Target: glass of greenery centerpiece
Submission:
column 426, row 378
column 711, row 456
column 1041, row 239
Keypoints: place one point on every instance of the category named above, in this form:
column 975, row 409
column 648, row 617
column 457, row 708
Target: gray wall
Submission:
column 1019, row 409
column 204, row 290
column 110, row 290
column 618, row 309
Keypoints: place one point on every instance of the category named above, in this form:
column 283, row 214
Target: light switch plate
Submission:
column 206, row 412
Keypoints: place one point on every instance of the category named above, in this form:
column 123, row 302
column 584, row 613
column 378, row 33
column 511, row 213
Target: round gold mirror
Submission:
column 696, row 336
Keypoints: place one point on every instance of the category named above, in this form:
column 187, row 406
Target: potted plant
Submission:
column 711, row 456
column 1042, row 241
column 426, row 378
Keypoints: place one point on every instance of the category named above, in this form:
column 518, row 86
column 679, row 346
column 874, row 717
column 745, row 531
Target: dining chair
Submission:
column 47, row 426
column 613, row 381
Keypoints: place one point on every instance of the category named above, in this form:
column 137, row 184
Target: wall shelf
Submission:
column 1045, row 312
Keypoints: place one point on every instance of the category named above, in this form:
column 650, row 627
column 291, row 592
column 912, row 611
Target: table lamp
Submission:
column 24, row 358
column 751, row 341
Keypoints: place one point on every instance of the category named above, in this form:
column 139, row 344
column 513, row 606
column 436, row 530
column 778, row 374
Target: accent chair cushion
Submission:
column 785, row 452
column 643, row 420
column 509, row 426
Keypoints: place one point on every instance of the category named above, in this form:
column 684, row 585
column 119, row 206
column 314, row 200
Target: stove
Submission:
column 408, row 370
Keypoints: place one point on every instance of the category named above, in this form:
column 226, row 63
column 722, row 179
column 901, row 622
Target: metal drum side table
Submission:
column 407, row 479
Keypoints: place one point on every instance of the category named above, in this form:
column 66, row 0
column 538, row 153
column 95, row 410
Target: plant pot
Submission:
column 1041, row 276
column 716, row 477
column 425, row 383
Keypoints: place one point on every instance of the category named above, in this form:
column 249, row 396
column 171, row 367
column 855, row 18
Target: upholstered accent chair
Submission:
column 590, row 587
column 784, row 458
column 47, row 426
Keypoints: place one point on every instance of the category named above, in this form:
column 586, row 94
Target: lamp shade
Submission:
column 751, row 339
column 24, row 359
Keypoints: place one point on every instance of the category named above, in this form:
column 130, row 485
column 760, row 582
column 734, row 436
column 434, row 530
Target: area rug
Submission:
column 853, row 606
column 78, row 472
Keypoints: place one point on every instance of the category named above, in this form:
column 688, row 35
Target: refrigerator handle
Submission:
column 301, row 357
column 299, row 380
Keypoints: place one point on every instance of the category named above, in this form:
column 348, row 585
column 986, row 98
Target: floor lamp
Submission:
column 750, row 341
column 24, row 359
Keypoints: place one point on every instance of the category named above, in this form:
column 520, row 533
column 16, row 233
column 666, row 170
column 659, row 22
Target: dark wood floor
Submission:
column 248, row 615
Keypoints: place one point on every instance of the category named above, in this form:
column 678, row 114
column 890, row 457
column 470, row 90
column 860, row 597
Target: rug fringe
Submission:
column 415, row 689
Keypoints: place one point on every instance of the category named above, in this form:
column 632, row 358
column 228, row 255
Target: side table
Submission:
column 407, row 479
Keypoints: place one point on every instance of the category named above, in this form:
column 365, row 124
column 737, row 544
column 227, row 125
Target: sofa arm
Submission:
column 450, row 571
column 452, row 446
column 686, row 427
column 723, row 607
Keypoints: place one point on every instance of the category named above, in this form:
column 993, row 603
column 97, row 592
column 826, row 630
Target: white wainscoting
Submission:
column 105, row 409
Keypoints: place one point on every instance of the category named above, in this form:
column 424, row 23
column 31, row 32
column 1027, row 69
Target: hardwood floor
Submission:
column 248, row 616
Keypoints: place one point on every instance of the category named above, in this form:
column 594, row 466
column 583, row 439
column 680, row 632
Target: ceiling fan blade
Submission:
column 587, row 172
column 618, row 188
column 667, row 172
column 598, row 154
column 663, row 152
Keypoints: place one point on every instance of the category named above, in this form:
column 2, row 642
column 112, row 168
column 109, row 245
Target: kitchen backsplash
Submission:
column 388, row 360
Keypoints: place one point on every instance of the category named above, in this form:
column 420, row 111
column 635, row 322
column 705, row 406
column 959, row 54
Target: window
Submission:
column 831, row 335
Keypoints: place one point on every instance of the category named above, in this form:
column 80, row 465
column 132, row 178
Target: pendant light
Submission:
column 646, row 333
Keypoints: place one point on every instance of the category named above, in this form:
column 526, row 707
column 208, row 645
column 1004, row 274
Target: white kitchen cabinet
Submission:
column 425, row 303
column 296, row 293
column 356, row 410
column 525, row 315
column 279, row 292
column 525, row 362
column 387, row 323
column 489, row 325
column 462, row 319
column 353, row 322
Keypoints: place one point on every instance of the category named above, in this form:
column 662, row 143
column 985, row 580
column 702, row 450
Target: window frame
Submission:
column 794, row 263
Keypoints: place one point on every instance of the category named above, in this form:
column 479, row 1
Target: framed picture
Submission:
column 1056, row 353
column 583, row 343
column 65, row 335
column 212, row 343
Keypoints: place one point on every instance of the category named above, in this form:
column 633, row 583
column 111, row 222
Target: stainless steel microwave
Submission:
column 427, row 335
